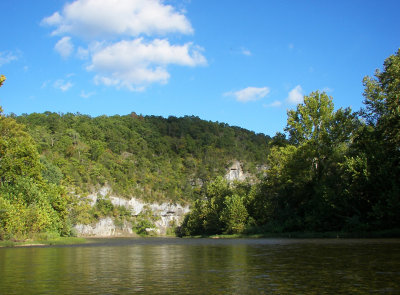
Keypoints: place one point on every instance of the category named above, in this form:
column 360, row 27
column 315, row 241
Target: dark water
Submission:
column 204, row 266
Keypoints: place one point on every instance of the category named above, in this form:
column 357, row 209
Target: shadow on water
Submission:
column 204, row 266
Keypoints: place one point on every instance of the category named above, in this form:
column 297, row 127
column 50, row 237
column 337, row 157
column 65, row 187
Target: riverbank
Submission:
column 394, row 233
column 54, row 241
column 45, row 242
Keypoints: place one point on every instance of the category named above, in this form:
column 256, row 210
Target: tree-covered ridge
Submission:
column 147, row 157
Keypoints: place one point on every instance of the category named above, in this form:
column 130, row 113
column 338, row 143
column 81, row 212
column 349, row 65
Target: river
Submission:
column 204, row 266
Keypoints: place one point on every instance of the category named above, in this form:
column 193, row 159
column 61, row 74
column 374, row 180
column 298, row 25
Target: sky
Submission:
column 245, row 63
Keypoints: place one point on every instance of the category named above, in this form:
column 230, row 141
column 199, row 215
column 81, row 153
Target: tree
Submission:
column 234, row 214
column 18, row 152
column 2, row 79
column 311, row 120
column 376, row 160
column 216, row 193
column 194, row 221
column 382, row 100
column 316, row 124
column 302, row 179
column 27, row 203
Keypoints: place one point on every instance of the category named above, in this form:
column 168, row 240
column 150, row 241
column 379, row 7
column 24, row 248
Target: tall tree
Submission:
column 302, row 186
column 382, row 100
column 376, row 163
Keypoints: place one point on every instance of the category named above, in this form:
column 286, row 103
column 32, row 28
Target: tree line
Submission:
column 337, row 170
column 149, row 157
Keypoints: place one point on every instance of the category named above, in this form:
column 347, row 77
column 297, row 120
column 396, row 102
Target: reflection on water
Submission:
column 204, row 266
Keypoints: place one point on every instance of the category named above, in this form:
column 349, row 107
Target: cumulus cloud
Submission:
column 249, row 94
column 137, row 63
column 295, row 95
column 82, row 53
column 64, row 47
column 114, row 31
column 7, row 57
column 92, row 19
column 62, row 85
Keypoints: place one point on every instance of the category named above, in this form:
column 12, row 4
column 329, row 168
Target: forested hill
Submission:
column 149, row 157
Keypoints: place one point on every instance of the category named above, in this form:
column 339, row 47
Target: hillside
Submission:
column 147, row 157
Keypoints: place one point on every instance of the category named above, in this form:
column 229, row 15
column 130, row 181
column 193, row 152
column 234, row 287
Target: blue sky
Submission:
column 244, row 63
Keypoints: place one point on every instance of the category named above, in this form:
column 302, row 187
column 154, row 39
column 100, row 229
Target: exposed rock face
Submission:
column 166, row 213
column 235, row 172
column 105, row 227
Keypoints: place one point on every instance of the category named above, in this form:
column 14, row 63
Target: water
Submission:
column 204, row 266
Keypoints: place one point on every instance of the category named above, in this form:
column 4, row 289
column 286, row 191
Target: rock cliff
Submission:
column 235, row 172
column 165, row 214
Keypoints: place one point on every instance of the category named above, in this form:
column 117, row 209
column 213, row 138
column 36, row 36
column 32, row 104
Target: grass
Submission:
column 394, row 233
column 51, row 241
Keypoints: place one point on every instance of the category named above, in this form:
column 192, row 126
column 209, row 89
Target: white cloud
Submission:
column 82, row 53
column 62, row 85
column 64, row 47
column 7, row 57
column 107, row 18
column 135, row 64
column 295, row 95
column 249, row 94
column 53, row 20
column 85, row 94
column 115, row 48
column 274, row 104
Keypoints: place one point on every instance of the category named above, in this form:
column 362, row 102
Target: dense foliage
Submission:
column 147, row 157
column 28, row 204
column 337, row 171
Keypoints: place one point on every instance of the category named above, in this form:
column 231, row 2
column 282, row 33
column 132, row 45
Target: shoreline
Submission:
column 60, row 241
column 383, row 234
column 40, row 243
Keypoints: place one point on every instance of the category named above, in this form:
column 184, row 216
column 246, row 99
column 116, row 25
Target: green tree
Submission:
column 2, row 79
column 234, row 214
column 28, row 204
column 315, row 124
column 18, row 153
column 374, row 166
column 302, row 188
column 193, row 224
column 216, row 193
column 382, row 100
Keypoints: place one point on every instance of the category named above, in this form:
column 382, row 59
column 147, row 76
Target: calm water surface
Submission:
column 204, row 266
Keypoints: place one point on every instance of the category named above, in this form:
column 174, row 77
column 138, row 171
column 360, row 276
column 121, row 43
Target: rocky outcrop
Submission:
column 105, row 227
column 235, row 173
column 165, row 214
